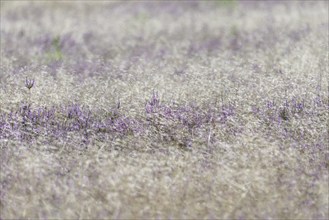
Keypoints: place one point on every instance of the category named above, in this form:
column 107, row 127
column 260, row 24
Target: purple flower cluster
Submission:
column 274, row 112
column 168, row 121
column 175, row 122
column 280, row 118
column 27, row 123
column 29, row 83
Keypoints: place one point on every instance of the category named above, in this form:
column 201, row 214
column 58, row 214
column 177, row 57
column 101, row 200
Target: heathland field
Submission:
column 166, row 110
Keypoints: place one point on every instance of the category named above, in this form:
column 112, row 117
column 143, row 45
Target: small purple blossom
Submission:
column 153, row 103
column 29, row 83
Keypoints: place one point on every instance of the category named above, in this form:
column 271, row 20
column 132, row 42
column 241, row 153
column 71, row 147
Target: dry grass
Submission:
column 245, row 84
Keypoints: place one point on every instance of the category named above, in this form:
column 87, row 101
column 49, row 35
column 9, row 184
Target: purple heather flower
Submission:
column 299, row 106
column 29, row 83
column 270, row 104
column 153, row 103
column 155, row 99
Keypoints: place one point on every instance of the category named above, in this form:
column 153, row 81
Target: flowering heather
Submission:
column 145, row 110
column 29, row 83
